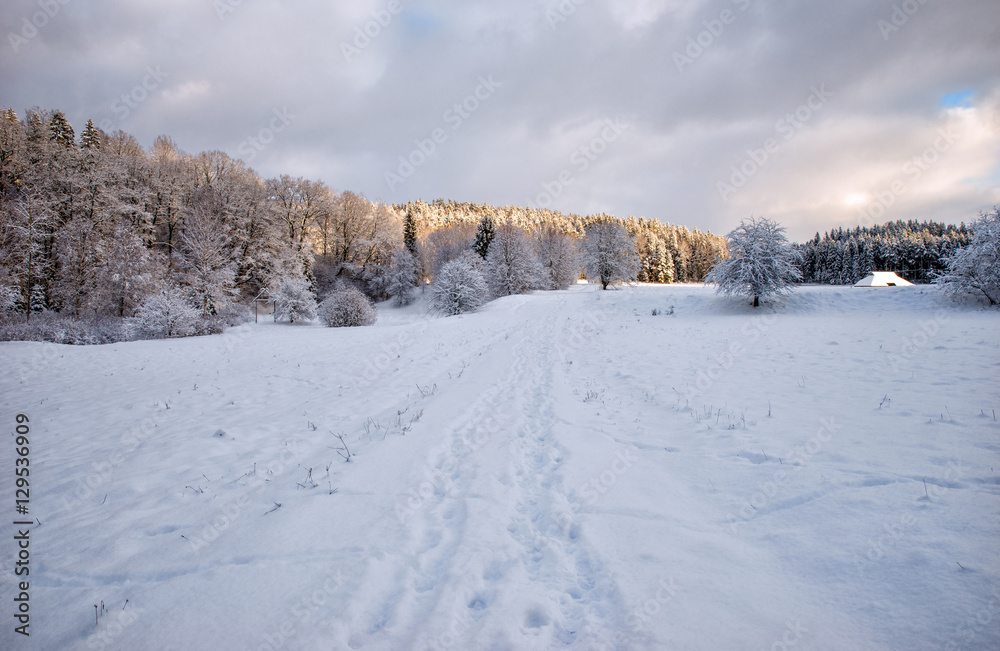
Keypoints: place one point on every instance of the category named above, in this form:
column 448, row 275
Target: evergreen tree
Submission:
column 484, row 236
column 60, row 130
column 410, row 234
column 91, row 136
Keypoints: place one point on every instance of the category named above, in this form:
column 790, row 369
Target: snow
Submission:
column 557, row 470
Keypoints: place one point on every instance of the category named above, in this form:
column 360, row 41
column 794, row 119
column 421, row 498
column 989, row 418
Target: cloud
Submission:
column 566, row 66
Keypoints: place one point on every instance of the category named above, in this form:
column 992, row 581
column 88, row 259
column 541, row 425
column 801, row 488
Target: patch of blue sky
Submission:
column 958, row 99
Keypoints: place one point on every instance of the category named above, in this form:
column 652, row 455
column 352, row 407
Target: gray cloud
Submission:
column 701, row 85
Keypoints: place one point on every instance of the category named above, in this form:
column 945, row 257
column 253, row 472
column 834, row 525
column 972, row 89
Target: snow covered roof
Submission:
column 882, row 279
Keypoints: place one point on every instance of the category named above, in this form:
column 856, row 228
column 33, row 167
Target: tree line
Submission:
column 917, row 251
column 97, row 226
column 91, row 226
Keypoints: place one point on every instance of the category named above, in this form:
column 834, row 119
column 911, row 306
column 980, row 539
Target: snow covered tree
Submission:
column 511, row 265
column 484, row 236
column 975, row 268
column 164, row 314
column 609, row 253
column 8, row 298
column 447, row 244
column 91, row 136
column 760, row 263
column 26, row 225
column 77, row 247
column 557, row 256
column 60, row 130
column 205, row 263
column 402, row 277
column 347, row 307
column 660, row 264
column 377, row 276
column 293, row 300
column 459, row 287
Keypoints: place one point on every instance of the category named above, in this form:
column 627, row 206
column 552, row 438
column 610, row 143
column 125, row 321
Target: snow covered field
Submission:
column 562, row 469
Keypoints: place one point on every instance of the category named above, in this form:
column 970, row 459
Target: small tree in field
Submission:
column 975, row 269
column 609, row 253
column 760, row 263
column 459, row 287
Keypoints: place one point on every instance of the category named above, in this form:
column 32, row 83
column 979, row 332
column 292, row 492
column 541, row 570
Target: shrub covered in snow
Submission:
column 164, row 314
column 63, row 329
column 459, row 287
column 293, row 300
column 233, row 314
column 347, row 307
column 8, row 298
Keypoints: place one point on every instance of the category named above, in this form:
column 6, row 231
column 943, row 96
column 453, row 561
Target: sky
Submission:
column 815, row 114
